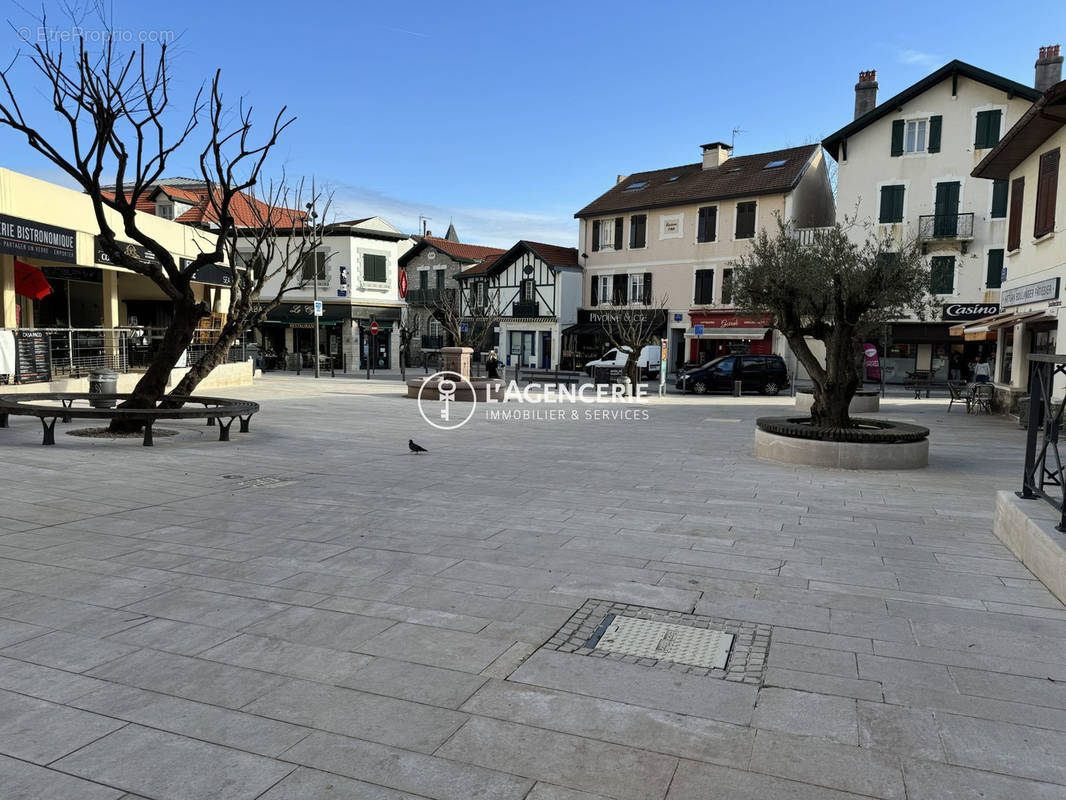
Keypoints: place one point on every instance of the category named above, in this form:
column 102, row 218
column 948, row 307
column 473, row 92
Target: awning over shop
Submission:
column 985, row 328
column 582, row 328
column 727, row 333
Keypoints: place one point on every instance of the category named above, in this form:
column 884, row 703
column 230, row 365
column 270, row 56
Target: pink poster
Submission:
column 873, row 363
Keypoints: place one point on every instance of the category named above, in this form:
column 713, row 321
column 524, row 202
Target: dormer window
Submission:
column 164, row 210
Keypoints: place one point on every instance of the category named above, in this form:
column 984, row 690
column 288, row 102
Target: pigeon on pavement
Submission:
column 416, row 448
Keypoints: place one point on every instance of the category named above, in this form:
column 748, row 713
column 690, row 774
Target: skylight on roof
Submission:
column 775, row 164
column 736, row 169
column 672, row 178
column 636, row 185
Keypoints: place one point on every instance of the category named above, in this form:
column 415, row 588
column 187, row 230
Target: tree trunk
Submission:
column 833, row 394
column 153, row 384
column 217, row 354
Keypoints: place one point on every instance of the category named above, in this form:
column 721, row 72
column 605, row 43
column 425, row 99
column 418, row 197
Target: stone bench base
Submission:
column 841, row 455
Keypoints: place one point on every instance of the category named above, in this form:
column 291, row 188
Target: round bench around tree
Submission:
column 871, row 444
column 865, row 401
column 42, row 405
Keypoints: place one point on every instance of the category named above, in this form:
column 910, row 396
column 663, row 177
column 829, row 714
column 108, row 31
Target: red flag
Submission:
column 30, row 281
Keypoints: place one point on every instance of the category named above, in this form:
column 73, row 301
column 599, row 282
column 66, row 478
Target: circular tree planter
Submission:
column 871, row 444
column 865, row 401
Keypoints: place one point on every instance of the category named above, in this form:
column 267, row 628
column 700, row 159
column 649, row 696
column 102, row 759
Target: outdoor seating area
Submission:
column 977, row 397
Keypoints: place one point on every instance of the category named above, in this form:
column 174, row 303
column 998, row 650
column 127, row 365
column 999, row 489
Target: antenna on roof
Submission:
column 733, row 139
column 422, row 223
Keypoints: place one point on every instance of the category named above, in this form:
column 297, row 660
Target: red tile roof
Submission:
column 553, row 254
column 247, row 212
column 482, row 267
column 462, row 252
column 742, row 176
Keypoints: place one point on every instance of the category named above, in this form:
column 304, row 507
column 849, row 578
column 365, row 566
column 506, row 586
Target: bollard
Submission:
column 737, row 385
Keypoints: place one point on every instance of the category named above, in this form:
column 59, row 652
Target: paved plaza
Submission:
column 311, row 611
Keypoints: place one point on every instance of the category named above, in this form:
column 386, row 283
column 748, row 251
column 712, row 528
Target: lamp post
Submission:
column 312, row 216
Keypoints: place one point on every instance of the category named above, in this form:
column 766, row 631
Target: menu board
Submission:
column 33, row 357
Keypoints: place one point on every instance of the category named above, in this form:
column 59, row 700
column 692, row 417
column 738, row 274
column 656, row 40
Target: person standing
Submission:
column 492, row 365
column 955, row 366
column 981, row 371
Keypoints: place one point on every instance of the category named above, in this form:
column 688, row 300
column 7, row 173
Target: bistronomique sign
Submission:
column 23, row 237
column 1030, row 293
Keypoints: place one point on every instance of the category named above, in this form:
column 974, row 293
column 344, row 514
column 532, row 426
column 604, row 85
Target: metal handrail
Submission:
column 1046, row 419
column 946, row 226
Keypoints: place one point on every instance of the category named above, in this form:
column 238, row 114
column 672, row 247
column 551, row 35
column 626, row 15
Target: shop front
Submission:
column 377, row 350
column 289, row 335
column 588, row 340
column 721, row 333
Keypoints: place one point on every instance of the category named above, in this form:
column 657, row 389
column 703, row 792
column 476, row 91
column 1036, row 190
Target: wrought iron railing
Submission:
column 1043, row 462
column 432, row 342
column 425, row 297
column 808, row 235
column 525, row 308
column 945, row 226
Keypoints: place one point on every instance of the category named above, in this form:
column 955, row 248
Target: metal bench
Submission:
column 213, row 408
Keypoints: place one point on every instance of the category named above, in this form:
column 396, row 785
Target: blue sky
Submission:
column 507, row 117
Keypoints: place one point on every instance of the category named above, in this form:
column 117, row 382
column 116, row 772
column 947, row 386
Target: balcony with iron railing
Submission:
column 525, row 308
column 432, row 342
column 946, row 227
column 424, row 297
column 808, row 235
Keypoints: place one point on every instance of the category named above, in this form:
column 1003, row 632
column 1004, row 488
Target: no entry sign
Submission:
column 374, row 329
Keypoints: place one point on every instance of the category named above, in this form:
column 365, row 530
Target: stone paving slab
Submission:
column 312, row 612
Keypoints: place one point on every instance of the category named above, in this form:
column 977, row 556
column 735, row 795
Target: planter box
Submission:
column 841, row 455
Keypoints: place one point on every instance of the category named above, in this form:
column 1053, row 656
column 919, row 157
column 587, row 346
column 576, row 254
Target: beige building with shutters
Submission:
column 904, row 169
column 1029, row 157
column 668, row 236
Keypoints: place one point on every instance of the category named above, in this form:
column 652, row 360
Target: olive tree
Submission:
column 835, row 285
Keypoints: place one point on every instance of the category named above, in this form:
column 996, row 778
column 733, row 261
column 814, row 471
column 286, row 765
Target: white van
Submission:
column 649, row 362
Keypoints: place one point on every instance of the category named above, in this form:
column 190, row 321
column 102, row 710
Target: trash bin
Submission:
column 102, row 382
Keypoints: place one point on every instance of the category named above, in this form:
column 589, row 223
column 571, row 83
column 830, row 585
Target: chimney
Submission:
column 866, row 92
column 428, row 233
column 715, row 153
column 1048, row 68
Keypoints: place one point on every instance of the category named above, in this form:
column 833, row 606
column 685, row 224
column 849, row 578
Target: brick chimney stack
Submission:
column 866, row 92
column 1048, row 68
column 715, row 154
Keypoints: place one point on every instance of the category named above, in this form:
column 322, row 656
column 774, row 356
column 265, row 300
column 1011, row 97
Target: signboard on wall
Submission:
column 23, row 237
column 1030, row 293
column 965, row 311
column 134, row 251
column 33, row 357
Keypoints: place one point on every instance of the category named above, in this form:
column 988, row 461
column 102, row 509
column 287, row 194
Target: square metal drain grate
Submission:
column 730, row 649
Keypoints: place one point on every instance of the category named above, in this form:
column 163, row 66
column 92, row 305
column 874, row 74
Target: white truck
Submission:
column 649, row 361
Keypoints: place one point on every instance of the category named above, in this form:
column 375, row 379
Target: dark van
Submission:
column 765, row 374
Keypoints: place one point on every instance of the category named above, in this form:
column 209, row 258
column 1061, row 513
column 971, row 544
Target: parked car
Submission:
column 766, row 374
column 649, row 361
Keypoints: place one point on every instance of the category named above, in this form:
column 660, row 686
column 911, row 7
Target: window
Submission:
column 704, row 287
column 745, row 220
column 727, row 286
column 605, row 288
column 891, row 204
column 636, row 186
column 479, row 293
column 440, row 280
column 999, row 199
column 994, row 276
column 707, row 224
column 636, row 288
column 1046, row 187
column 638, row 231
column 987, row 133
column 423, row 280
column 164, row 210
column 529, row 290
column 943, row 275
column 374, row 268
column 618, row 233
column 607, row 234
column 1014, row 226
column 619, row 289
column 915, row 139
column 313, row 267
column 434, row 328
column 775, row 164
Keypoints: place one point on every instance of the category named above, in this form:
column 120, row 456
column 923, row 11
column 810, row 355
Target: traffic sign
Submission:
column 374, row 328
column 403, row 284
column 318, row 308
column 698, row 330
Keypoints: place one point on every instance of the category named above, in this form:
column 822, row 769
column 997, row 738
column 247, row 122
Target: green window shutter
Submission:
column 891, row 204
column 898, row 128
column 987, row 133
column 943, row 275
column 999, row 199
column 374, row 268
column 595, row 235
column 593, row 297
column 701, row 225
column 712, row 223
column 994, row 276
column 647, row 288
column 935, row 125
column 618, row 233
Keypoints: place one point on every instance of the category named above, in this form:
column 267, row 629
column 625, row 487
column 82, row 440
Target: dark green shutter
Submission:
column 935, row 125
column 994, row 277
column 701, row 226
column 593, row 298
column 618, row 233
column 595, row 235
column 647, row 288
column 712, row 223
column 987, row 130
column 619, row 289
column 891, row 204
column 943, row 275
column 999, row 199
column 898, row 129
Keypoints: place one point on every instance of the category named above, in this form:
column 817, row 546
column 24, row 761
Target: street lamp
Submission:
column 312, row 216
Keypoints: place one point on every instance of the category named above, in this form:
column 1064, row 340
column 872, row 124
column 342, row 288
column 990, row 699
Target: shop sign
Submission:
column 1030, row 293
column 23, row 237
column 732, row 321
column 83, row 274
column 134, row 251
column 598, row 317
column 964, row 311
column 215, row 274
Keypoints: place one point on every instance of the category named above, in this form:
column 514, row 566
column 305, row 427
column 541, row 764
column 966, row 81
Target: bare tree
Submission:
column 410, row 324
column 112, row 107
column 466, row 322
column 274, row 250
column 630, row 330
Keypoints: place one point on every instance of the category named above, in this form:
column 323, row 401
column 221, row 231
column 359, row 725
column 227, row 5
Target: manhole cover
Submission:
column 268, row 480
column 730, row 649
column 682, row 644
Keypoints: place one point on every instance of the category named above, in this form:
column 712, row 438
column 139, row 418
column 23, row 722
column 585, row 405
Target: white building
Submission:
column 536, row 289
column 357, row 272
column 904, row 169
